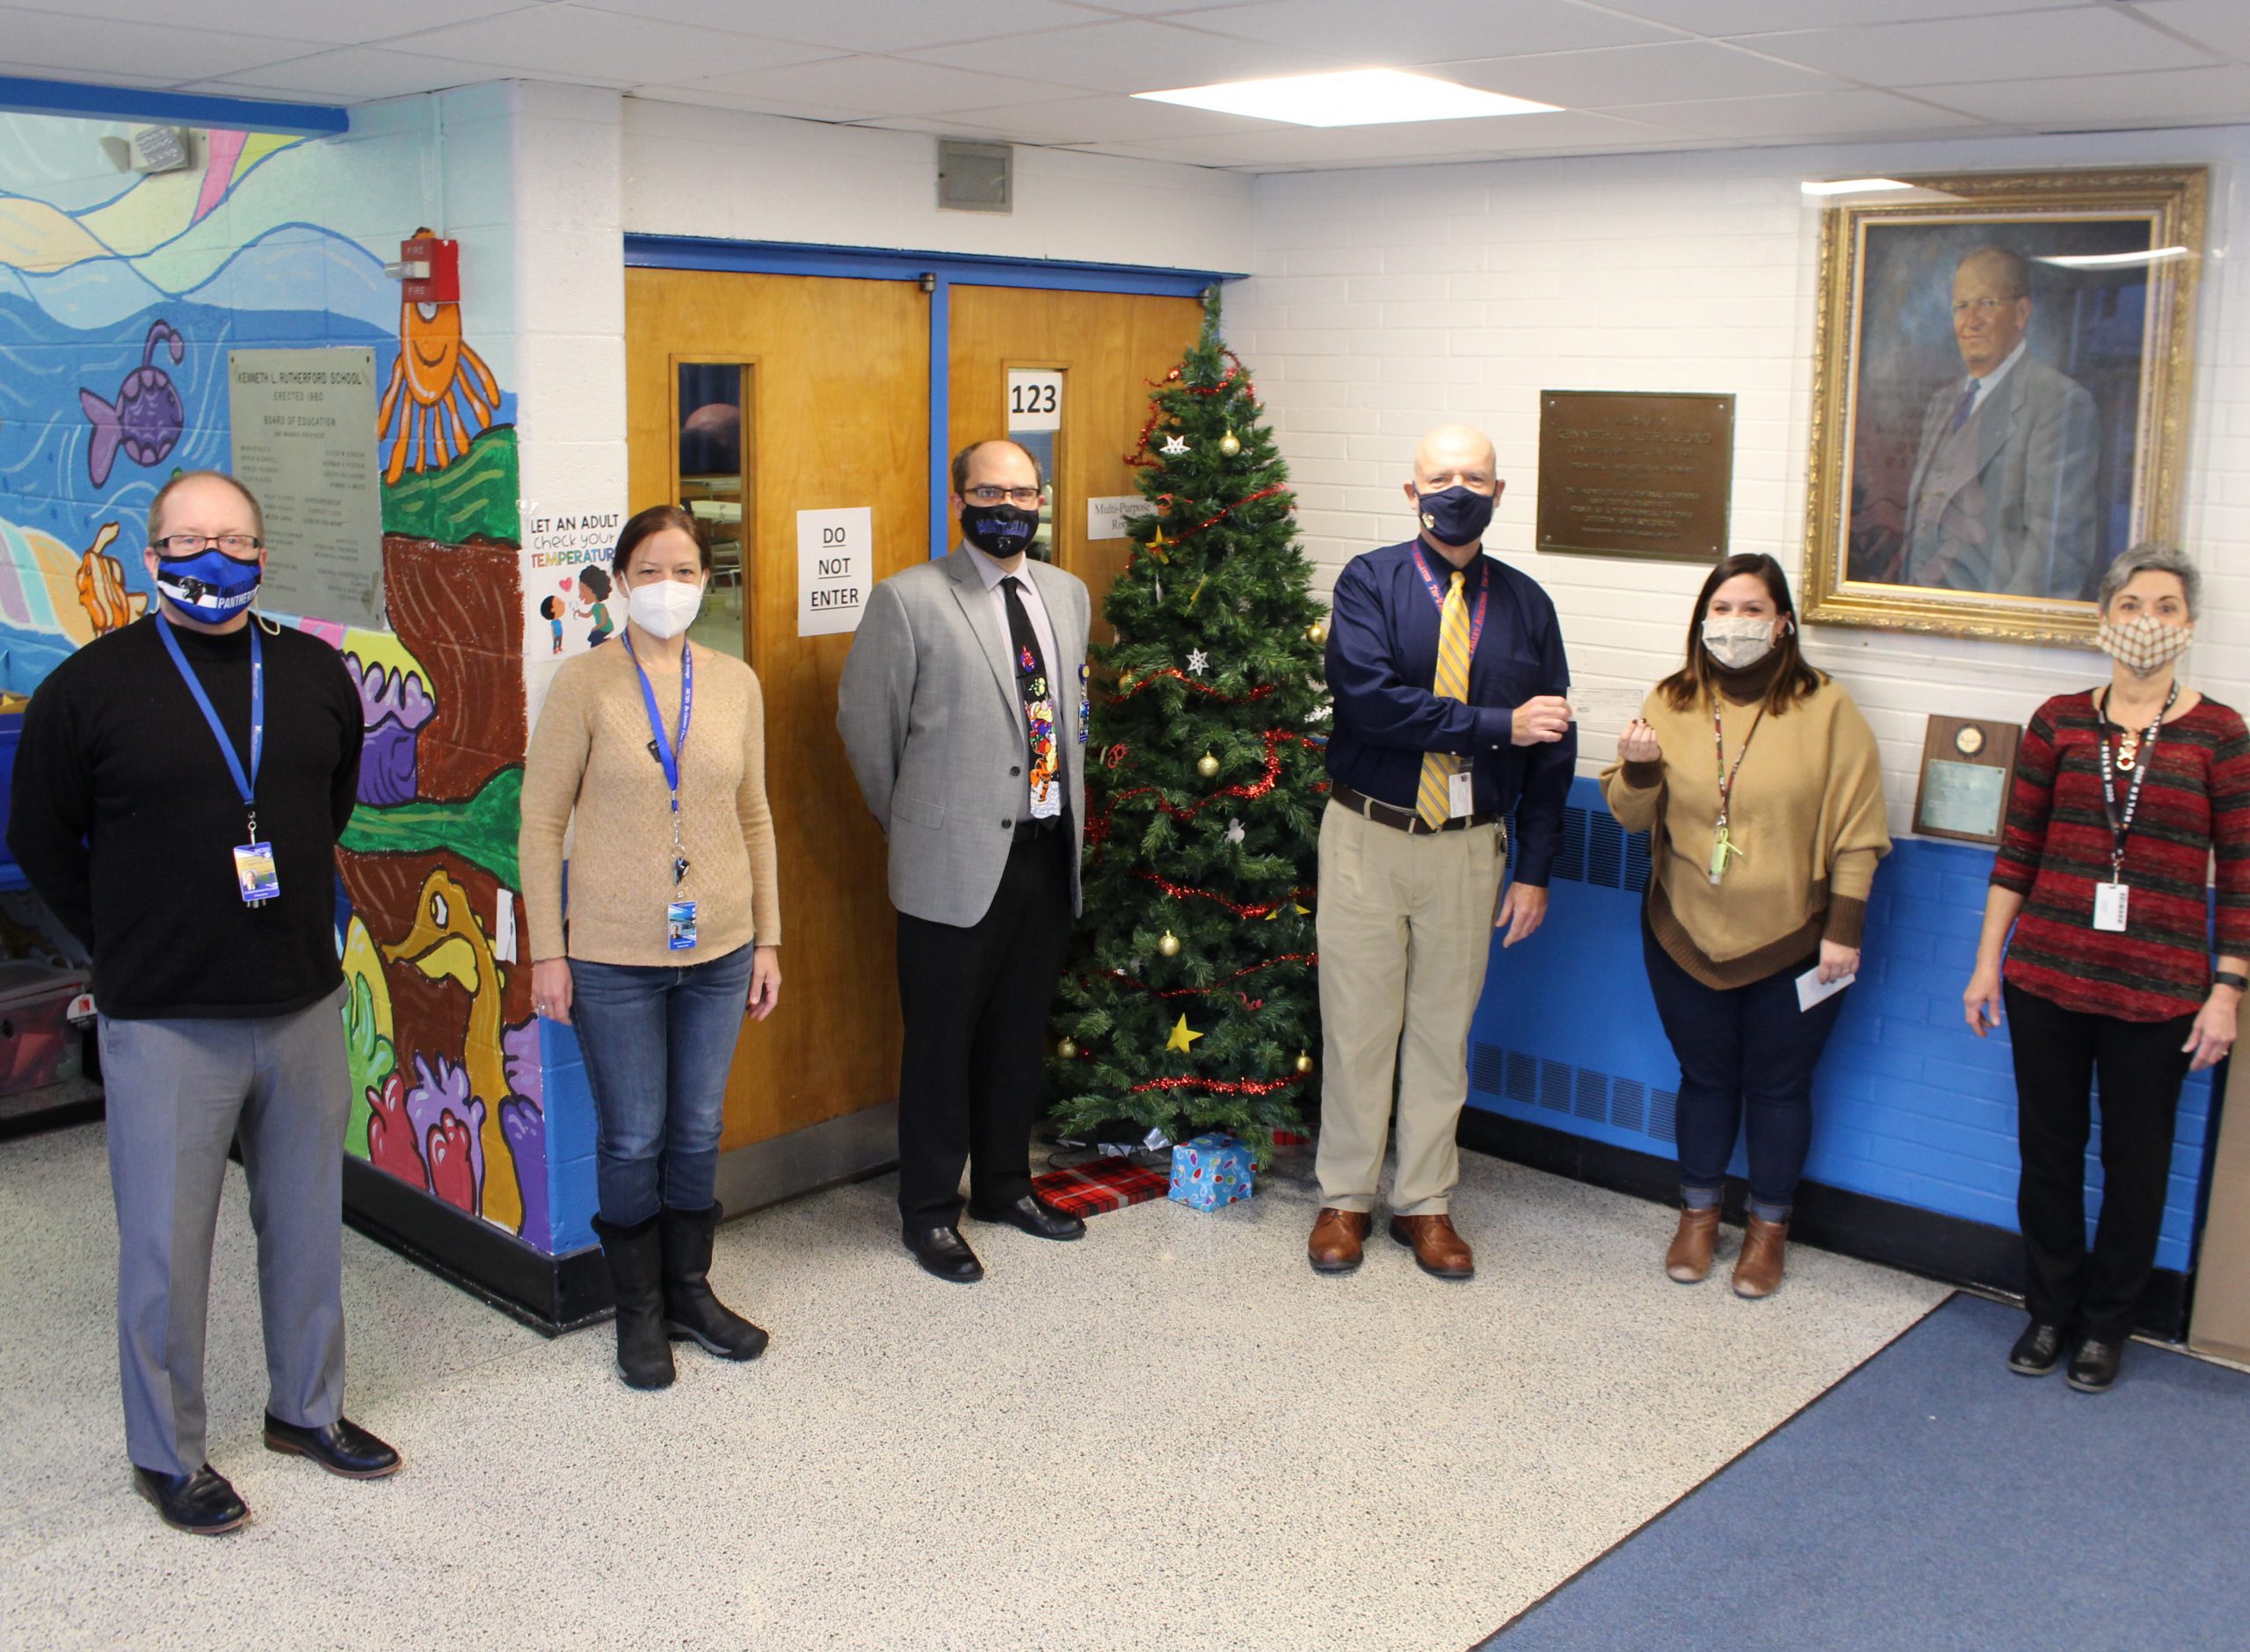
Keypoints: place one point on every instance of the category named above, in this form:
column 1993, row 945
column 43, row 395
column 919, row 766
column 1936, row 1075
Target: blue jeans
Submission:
column 657, row 1041
column 1746, row 1055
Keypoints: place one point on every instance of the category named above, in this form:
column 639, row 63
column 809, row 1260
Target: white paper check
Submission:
column 1605, row 705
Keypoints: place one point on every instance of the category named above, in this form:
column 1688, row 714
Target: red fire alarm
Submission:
column 429, row 268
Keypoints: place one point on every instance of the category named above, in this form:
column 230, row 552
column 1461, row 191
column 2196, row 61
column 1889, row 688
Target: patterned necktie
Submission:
column 1434, row 801
column 1961, row 408
column 1038, row 703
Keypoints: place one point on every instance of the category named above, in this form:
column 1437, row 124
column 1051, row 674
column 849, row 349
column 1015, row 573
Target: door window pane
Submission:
column 712, row 464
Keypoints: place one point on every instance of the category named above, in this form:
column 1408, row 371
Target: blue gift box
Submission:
column 1210, row 1172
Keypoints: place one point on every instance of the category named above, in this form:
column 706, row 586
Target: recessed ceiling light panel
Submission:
column 1351, row 98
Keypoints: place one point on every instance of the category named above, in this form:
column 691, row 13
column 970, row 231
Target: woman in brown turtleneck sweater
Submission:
column 1758, row 781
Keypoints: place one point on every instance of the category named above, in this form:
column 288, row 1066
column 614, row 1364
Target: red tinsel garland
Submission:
column 1097, row 828
column 1221, row 1086
column 1213, row 521
column 1202, row 688
column 1248, row 1003
column 1181, row 892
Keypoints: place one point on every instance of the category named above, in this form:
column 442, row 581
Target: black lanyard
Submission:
column 2122, row 826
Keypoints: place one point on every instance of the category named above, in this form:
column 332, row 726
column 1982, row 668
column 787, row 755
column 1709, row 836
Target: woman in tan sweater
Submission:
column 1757, row 779
column 655, row 749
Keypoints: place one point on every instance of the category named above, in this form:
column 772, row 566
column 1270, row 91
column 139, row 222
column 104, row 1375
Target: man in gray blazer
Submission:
column 956, row 709
column 2002, row 499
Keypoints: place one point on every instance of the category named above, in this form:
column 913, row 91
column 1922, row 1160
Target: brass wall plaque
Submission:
column 1635, row 473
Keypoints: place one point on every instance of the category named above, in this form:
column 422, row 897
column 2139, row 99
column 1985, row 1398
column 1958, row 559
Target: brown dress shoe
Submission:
column 1334, row 1246
column 1758, row 1270
column 1440, row 1251
column 1688, row 1257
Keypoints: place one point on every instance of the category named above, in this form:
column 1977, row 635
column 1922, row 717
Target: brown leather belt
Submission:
column 1406, row 820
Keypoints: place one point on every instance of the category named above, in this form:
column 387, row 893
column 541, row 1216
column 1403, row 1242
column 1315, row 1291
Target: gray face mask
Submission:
column 1736, row 641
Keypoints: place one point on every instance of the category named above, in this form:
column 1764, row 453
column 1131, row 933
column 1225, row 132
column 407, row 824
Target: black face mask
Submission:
column 1458, row 515
column 999, row 531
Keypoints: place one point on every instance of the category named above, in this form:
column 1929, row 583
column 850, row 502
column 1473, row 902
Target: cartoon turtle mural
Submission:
column 145, row 418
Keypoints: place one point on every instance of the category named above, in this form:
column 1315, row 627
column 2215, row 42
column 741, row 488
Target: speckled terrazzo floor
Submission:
column 1169, row 1435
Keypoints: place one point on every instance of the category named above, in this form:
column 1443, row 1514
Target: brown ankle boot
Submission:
column 1758, row 1270
column 1688, row 1257
column 1335, row 1246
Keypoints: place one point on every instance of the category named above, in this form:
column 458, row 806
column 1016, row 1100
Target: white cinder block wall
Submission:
column 1386, row 302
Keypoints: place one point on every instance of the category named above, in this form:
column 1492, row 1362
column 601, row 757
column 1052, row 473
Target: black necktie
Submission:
column 1037, row 694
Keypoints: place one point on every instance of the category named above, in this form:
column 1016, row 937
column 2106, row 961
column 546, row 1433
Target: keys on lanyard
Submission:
column 679, row 915
column 254, row 872
column 2110, row 898
column 1724, row 847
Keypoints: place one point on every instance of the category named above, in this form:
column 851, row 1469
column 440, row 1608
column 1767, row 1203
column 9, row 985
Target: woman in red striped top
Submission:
column 2124, row 796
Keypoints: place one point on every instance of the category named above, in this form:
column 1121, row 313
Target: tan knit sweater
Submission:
column 1807, row 812
column 590, row 756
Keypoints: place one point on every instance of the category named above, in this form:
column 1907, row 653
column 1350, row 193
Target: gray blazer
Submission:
column 931, row 722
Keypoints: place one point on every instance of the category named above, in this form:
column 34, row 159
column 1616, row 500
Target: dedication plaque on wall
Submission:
column 1635, row 473
column 303, row 426
column 1968, row 769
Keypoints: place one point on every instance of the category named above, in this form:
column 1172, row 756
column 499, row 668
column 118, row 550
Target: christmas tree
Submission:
column 1190, row 1002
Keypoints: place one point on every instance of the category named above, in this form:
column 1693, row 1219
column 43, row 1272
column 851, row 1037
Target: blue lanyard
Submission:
column 668, row 752
column 245, row 784
column 1437, row 596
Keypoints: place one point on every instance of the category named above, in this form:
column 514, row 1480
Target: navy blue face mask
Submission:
column 210, row 585
column 1458, row 515
column 999, row 531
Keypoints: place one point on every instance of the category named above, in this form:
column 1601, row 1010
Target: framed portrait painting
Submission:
column 2000, row 397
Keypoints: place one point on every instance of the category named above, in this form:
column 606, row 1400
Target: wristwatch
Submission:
column 2229, row 978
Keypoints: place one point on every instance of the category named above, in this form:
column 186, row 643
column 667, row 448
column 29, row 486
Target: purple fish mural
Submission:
column 145, row 418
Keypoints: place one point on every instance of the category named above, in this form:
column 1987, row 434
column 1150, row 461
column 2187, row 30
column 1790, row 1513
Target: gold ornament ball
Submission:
column 1304, row 1061
column 1229, row 444
column 1068, row 1049
column 1316, row 631
column 1169, row 946
column 1124, row 681
column 1207, row 765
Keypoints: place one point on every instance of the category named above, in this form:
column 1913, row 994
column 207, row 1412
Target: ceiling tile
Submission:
column 329, row 24
column 2172, row 97
column 2080, row 40
column 354, row 75
column 1636, row 74
column 873, row 26
column 576, row 42
column 1568, row 131
column 702, row 97
column 1073, row 120
column 1807, row 117
column 2223, row 26
column 1723, row 18
column 872, row 87
column 1129, row 57
column 1429, row 31
column 36, row 43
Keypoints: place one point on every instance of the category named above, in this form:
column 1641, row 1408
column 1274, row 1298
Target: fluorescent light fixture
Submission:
column 2113, row 260
column 1851, row 186
column 1351, row 98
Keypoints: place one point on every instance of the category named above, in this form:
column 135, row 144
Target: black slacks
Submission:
column 975, row 1001
column 2058, row 1053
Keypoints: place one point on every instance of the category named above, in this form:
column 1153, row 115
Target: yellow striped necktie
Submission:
column 1433, row 801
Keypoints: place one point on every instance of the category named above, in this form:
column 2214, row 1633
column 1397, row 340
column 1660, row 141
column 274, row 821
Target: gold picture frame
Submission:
column 1989, row 510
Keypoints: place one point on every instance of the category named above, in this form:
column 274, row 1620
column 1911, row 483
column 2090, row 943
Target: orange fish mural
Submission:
column 101, row 587
column 436, row 378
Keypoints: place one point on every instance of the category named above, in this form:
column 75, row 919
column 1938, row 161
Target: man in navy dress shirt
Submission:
column 1449, row 681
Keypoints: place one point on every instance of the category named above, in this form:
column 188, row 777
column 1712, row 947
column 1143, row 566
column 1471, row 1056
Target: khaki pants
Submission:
column 1405, row 928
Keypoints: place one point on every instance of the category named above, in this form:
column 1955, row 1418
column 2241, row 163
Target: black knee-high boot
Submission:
column 690, row 1309
column 636, row 1269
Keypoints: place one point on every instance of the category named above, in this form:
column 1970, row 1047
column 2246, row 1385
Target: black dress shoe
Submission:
column 202, row 1503
column 945, row 1253
column 2036, row 1351
column 2093, row 1367
column 1035, row 1215
column 342, row 1447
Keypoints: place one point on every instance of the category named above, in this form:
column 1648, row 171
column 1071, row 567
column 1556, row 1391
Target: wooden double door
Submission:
column 753, row 398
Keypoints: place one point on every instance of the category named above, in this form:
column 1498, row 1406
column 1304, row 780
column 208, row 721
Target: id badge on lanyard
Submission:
column 2112, row 899
column 255, row 873
column 679, row 915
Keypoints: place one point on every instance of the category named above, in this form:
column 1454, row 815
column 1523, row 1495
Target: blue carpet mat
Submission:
column 1935, row 1499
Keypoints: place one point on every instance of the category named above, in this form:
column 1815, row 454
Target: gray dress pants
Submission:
column 178, row 1092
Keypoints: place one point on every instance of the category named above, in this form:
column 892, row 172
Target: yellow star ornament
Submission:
column 1181, row 1038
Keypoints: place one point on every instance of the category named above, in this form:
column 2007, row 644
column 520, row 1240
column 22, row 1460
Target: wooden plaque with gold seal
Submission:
column 1968, row 769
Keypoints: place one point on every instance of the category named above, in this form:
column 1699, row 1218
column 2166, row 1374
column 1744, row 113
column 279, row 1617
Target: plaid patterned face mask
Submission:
column 2144, row 645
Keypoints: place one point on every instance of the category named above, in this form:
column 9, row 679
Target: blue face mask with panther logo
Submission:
column 209, row 585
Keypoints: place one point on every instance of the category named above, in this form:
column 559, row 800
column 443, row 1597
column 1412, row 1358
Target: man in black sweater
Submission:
column 179, row 790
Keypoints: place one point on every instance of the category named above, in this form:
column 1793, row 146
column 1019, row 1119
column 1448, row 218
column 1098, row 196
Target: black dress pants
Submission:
column 975, row 1001
column 2058, row 1053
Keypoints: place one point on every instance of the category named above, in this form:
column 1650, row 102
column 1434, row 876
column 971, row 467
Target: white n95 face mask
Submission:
column 664, row 607
column 1735, row 641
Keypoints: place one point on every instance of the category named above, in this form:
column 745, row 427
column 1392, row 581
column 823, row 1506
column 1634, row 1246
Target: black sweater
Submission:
column 125, row 819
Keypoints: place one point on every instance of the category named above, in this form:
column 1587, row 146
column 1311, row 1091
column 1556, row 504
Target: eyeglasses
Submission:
column 193, row 544
column 1024, row 496
column 1982, row 306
